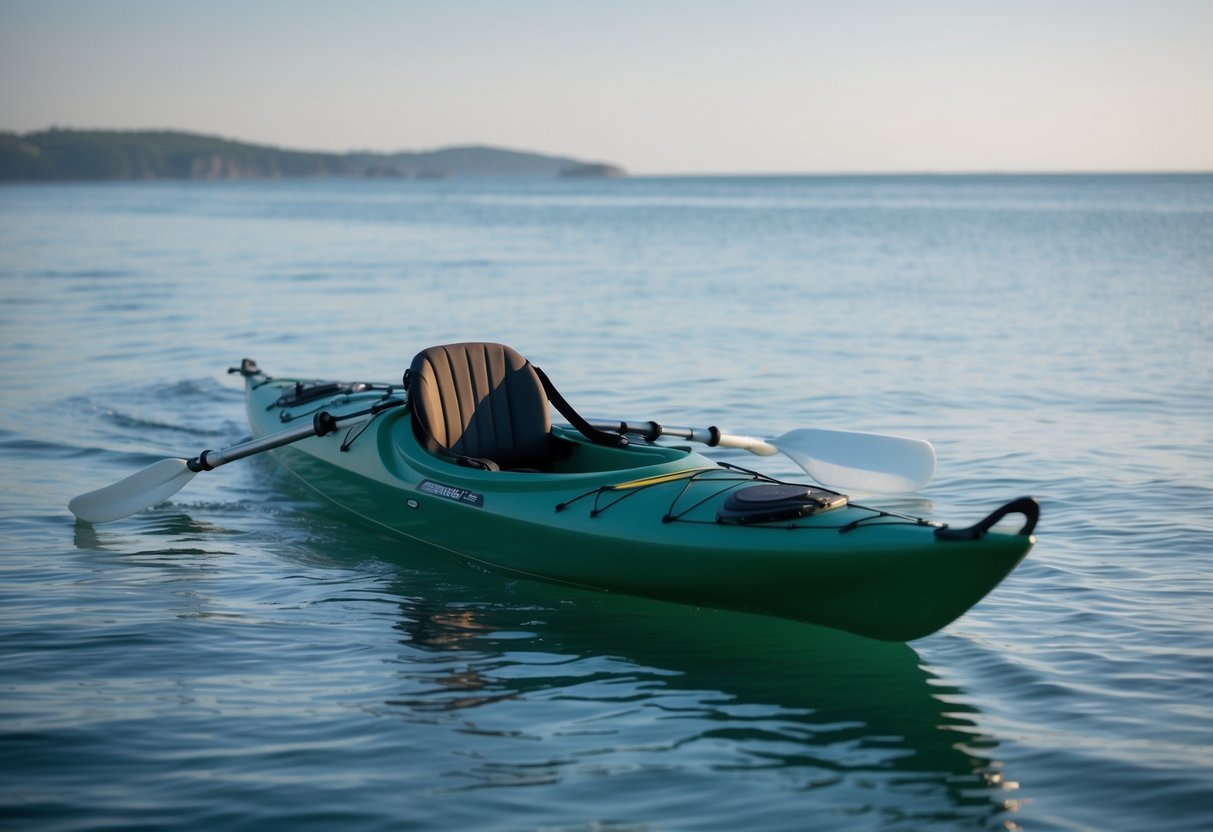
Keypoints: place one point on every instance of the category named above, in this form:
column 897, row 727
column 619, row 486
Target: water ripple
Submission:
column 242, row 657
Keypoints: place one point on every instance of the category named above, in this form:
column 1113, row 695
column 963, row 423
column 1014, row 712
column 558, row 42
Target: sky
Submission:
column 657, row 86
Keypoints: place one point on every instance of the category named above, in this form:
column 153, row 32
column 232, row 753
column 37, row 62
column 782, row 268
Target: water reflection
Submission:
column 611, row 682
column 156, row 524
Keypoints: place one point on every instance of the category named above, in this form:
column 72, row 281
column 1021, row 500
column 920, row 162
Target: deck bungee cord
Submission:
column 736, row 477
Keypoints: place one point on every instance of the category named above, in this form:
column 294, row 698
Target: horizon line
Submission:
column 993, row 172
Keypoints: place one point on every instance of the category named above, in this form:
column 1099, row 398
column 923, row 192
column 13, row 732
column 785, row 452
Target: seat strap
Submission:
column 598, row 437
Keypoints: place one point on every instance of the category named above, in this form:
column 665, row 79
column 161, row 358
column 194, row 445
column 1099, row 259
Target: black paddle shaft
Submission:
column 652, row 431
column 322, row 423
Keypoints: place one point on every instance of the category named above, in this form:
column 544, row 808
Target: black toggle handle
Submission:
column 1027, row 506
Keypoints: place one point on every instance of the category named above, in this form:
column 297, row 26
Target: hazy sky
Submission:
column 659, row 87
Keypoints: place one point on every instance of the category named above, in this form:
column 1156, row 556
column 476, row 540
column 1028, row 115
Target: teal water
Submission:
column 242, row 658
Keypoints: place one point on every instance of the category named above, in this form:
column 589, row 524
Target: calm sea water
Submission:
column 243, row 658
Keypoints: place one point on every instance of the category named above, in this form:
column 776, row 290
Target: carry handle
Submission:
column 1027, row 506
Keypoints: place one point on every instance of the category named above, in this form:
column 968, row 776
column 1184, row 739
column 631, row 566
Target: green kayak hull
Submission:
column 640, row 520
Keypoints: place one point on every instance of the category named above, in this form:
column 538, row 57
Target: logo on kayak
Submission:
column 450, row 492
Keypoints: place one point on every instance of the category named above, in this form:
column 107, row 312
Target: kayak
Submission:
column 580, row 506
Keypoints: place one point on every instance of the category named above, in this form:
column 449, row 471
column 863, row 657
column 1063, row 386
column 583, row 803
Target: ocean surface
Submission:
column 243, row 658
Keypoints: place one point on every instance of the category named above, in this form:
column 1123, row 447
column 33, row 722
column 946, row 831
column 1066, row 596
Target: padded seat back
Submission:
column 483, row 401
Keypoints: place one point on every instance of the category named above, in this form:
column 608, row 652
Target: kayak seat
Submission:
column 481, row 404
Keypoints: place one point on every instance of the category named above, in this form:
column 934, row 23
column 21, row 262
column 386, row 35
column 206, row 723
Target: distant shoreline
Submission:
column 63, row 155
column 60, row 155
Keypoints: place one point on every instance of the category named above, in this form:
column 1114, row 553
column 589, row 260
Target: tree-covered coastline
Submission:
column 65, row 155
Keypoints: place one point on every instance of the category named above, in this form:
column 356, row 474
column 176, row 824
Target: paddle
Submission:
column 871, row 462
column 161, row 480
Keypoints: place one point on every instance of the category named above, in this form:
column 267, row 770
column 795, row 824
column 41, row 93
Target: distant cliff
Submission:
column 113, row 154
column 459, row 161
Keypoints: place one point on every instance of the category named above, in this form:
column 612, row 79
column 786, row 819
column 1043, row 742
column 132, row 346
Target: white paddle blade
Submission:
column 870, row 462
column 143, row 489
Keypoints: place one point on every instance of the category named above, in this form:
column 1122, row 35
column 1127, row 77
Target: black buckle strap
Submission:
column 598, row 437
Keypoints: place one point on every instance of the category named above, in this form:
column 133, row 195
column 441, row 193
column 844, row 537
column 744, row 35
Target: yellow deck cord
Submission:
column 660, row 478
